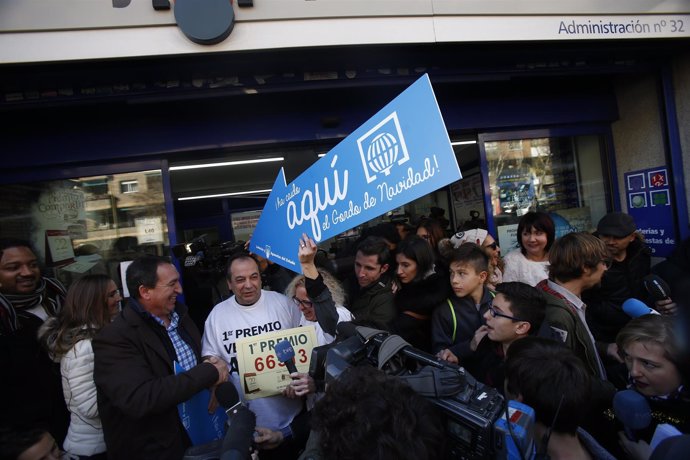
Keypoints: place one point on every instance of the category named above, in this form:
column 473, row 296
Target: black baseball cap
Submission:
column 617, row 224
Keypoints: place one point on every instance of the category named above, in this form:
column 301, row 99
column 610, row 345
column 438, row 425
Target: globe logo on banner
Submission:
column 383, row 148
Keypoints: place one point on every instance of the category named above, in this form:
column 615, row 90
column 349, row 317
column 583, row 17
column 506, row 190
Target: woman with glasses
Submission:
column 320, row 298
column 421, row 289
column 92, row 302
column 529, row 263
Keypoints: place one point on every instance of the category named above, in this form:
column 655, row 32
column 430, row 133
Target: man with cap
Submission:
column 630, row 263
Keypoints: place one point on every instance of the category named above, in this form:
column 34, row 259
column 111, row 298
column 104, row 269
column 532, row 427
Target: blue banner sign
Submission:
column 401, row 153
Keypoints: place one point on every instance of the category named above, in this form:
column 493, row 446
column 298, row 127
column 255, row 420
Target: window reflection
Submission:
column 562, row 176
column 88, row 224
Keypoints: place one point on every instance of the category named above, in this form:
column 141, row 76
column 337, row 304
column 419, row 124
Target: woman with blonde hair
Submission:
column 320, row 298
column 92, row 302
column 653, row 352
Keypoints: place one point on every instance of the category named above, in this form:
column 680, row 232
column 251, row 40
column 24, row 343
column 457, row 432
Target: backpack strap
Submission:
column 455, row 319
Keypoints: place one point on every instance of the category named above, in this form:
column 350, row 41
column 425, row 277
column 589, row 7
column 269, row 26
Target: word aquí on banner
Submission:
column 312, row 203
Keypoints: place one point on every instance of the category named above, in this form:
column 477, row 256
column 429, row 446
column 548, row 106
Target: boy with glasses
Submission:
column 454, row 323
column 517, row 311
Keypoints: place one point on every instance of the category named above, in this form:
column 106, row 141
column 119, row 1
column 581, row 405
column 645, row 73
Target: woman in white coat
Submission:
column 92, row 301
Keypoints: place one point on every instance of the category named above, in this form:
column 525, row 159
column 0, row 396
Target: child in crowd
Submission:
column 516, row 312
column 549, row 378
column 454, row 322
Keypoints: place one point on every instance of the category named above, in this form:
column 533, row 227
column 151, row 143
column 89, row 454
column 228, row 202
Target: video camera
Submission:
column 474, row 413
column 207, row 261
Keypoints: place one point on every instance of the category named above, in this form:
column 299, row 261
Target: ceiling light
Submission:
column 227, row 163
column 247, row 192
column 463, row 143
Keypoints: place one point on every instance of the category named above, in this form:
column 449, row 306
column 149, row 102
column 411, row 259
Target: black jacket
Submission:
column 138, row 391
column 467, row 321
column 415, row 303
column 605, row 316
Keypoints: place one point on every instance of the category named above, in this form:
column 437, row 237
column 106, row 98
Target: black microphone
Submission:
column 656, row 287
column 632, row 409
column 238, row 440
column 241, row 424
column 286, row 355
column 345, row 330
column 227, row 397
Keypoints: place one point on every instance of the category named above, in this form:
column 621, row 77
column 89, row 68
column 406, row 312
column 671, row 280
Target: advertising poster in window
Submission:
column 648, row 193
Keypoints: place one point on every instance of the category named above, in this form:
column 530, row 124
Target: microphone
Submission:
column 238, row 440
column 227, row 397
column 286, row 355
column 345, row 330
column 635, row 308
column 656, row 287
column 241, row 423
column 632, row 409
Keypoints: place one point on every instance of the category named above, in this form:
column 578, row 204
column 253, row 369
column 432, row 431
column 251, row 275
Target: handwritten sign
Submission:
column 401, row 153
column 261, row 374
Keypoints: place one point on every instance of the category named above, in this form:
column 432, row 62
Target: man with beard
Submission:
column 630, row 263
column 30, row 386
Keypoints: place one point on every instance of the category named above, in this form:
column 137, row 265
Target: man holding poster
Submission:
column 252, row 311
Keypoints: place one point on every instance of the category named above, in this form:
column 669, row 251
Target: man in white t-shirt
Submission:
column 249, row 312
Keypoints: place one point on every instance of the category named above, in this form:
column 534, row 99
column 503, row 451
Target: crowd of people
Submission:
column 544, row 325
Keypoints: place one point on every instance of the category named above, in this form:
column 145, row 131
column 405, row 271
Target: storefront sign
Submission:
column 400, row 154
column 260, row 371
column 649, row 202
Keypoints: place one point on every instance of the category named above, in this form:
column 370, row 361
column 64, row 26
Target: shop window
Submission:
column 88, row 224
column 563, row 176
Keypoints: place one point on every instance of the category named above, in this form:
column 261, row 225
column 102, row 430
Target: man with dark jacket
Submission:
column 135, row 360
column 630, row 263
column 30, row 386
column 371, row 299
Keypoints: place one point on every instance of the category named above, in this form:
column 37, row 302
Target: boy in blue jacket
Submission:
column 454, row 322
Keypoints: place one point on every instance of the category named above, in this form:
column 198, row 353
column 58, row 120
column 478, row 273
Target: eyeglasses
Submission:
column 114, row 293
column 496, row 313
column 493, row 245
column 426, row 237
column 304, row 303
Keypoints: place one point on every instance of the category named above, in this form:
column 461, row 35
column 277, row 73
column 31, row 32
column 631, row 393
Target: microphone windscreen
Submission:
column 346, row 329
column 656, row 287
column 632, row 409
column 238, row 439
column 284, row 351
column 227, row 395
column 635, row 308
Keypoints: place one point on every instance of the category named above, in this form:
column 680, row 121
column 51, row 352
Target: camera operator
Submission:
column 368, row 414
